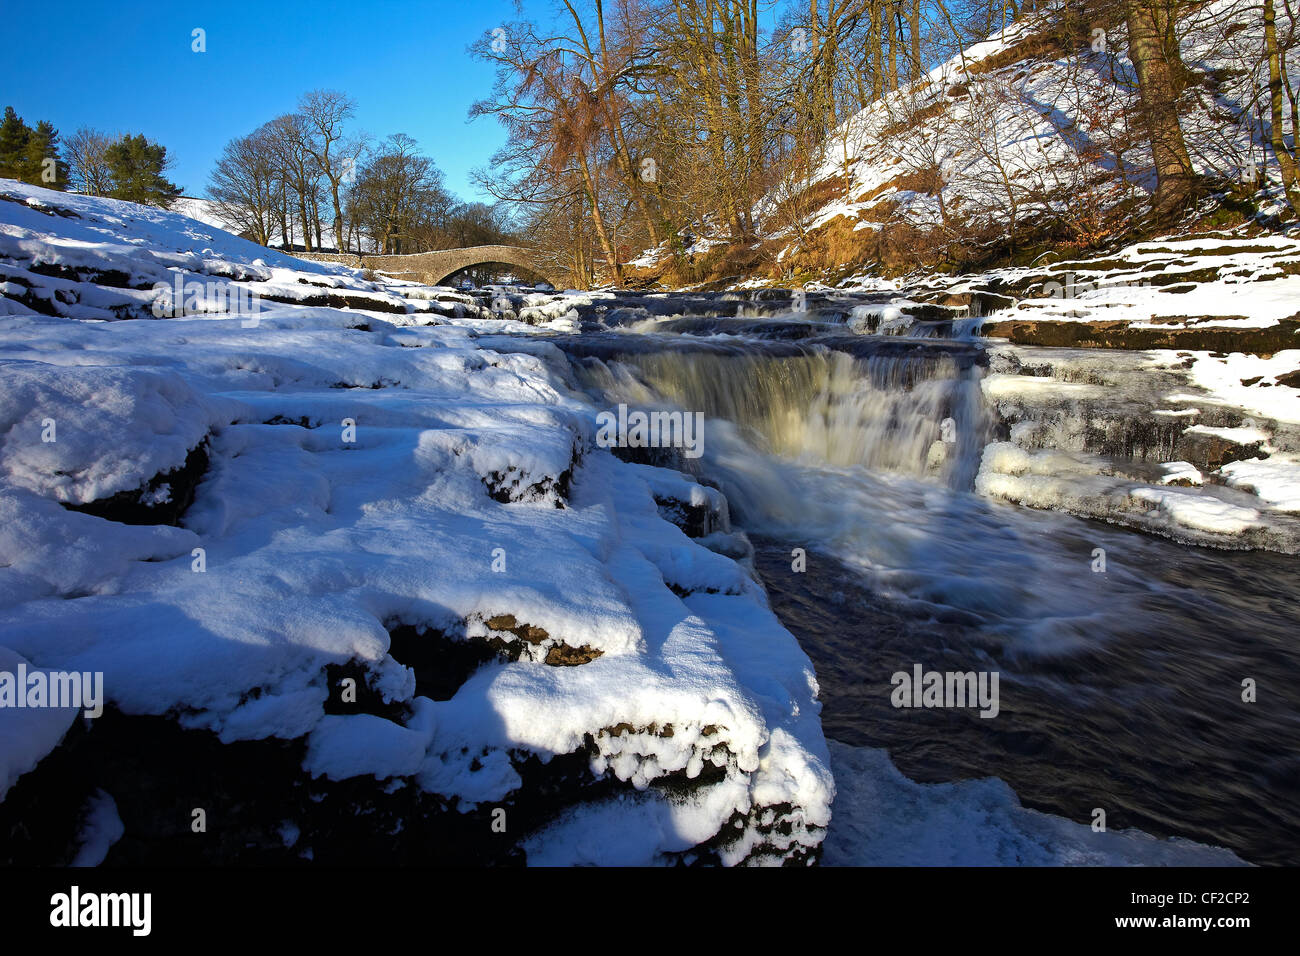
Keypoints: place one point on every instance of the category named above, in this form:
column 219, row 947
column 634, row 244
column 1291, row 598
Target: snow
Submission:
column 884, row 819
column 1091, row 432
column 343, row 746
column 1238, row 435
column 401, row 473
column 625, row 831
column 1276, row 480
column 102, row 828
column 1180, row 472
column 1226, row 377
column 27, row 734
column 1086, row 485
column 1199, row 512
column 1050, row 123
column 132, row 249
column 93, row 412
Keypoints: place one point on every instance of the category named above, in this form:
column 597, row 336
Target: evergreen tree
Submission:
column 135, row 168
column 14, row 134
column 41, row 165
column 24, row 152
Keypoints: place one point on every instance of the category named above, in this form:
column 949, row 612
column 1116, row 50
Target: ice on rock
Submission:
column 1199, row 512
column 1072, row 483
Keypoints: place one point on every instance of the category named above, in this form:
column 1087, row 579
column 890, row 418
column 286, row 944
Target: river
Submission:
column 1120, row 681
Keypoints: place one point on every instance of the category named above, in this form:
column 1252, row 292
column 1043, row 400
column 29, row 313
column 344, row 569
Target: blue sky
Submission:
column 127, row 66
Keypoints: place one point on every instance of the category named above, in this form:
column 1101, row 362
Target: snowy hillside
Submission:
column 241, row 520
column 1031, row 125
column 80, row 257
column 204, row 211
column 1032, row 132
column 209, row 213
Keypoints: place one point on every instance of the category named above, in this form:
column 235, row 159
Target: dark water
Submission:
column 1147, row 723
column 1119, row 689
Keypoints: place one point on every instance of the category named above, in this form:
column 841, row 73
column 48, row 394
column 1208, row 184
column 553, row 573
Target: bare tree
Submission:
column 246, row 187
column 85, row 152
column 289, row 139
column 544, row 96
column 334, row 152
column 398, row 198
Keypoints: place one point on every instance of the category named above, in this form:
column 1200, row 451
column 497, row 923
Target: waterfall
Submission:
column 917, row 413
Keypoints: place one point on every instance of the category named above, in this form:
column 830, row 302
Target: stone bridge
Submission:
column 433, row 268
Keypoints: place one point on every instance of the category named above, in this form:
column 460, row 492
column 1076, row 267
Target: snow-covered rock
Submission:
column 373, row 470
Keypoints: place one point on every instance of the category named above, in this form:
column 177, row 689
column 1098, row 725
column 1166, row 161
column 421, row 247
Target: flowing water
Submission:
column 1119, row 689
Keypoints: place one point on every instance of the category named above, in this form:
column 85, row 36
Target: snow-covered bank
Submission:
column 884, row 819
column 1157, row 386
column 1027, row 142
column 358, row 473
column 1198, row 446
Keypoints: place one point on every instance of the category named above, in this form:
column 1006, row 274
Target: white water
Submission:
column 919, row 415
column 847, row 456
column 1025, row 576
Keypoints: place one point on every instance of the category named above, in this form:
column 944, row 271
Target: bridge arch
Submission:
column 434, row 268
column 451, row 261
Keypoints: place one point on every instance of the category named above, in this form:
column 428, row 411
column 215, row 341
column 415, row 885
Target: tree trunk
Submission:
column 1286, row 160
column 611, row 256
column 877, row 14
column 895, row 21
column 306, row 222
column 1160, row 75
column 914, row 28
column 315, row 224
column 338, row 216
